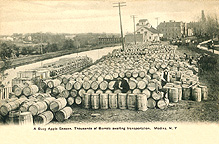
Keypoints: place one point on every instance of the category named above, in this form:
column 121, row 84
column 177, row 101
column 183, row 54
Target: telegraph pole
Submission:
column 133, row 16
column 157, row 20
column 120, row 4
column 41, row 46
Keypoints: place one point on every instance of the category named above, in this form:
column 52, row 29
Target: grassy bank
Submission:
column 35, row 58
column 209, row 77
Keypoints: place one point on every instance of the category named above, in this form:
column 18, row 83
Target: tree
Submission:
column 207, row 28
column 68, row 44
column 5, row 54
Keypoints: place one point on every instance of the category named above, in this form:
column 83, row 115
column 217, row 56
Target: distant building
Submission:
column 172, row 29
column 144, row 33
column 109, row 40
column 70, row 37
column 129, row 38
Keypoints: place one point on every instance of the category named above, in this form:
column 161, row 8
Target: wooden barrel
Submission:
column 111, row 85
column 162, row 104
column 58, row 104
column 141, row 74
column 65, row 79
column 136, row 91
column 128, row 73
column 86, row 85
column 151, row 103
column 77, row 85
column 63, row 114
column 132, row 84
column 186, row 92
column 41, row 96
column 43, row 85
column 104, row 101
column 48, row 100
column 204, row 92
column 70, row 101
column 142, row 102
column 63, row 85
column 108, row 77
column 81, row 92
column 121, row 74
column 58, row 90
column 49, row 90
column 53, row 83
column 65, row 93
column 152, row 70
column 151, row 86
column 100, row 78
column 44, row 118
column 13, row 118
column 108, row 92
column 173, row 95
column 94, row 85
column 113, row 104
column 131, row 101
column 90, row 91
column 25, row 118
column 141, row 84
column 38, row 108
column 122, row 100
column 74, row 93
column 196, row 94
column 115, row 75
column 78, row 100
column 7, row 107
column 103, row 85
column 70, row 85
column 156, row 96
column 87, row 100
column 95, row 101
column 18, row 89
column 135, row 74
column 179, row 91
column 117, row 91
column 147, row 93
column 25, row 107
column 20, row 101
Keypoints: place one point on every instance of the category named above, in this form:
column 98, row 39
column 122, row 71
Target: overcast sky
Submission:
column 94, row 16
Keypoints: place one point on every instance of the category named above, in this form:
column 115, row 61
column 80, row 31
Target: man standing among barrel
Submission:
column 165, row 78
column 122, row 84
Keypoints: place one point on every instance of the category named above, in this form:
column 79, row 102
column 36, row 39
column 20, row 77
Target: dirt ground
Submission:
column 184, row 111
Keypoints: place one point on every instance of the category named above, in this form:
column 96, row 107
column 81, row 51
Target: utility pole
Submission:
column 41, row 46
column 120, row 4
column 134, row 16
column 157, row 20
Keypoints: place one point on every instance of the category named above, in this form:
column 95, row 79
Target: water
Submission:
column 94, row 54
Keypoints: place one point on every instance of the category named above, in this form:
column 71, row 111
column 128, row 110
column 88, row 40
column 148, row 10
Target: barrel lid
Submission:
column 25, row 113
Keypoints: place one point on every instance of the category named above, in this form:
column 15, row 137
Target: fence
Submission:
column 4, row 92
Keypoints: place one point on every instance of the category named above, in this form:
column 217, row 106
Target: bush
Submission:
column 207, row 63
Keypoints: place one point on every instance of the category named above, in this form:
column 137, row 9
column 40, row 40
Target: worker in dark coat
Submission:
column 124, row 85
column 165, row 78
column 116, row 85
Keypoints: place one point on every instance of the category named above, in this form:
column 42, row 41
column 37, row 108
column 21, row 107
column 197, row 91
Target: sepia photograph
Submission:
column 116, row 66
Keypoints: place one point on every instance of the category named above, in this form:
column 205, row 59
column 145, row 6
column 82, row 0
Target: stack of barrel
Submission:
column 38, row 109
column 66, row 65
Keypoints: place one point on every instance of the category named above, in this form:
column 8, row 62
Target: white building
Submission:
column 148, row 32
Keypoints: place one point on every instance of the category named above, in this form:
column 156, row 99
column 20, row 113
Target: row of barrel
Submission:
column 66, row 65
column 32, row 110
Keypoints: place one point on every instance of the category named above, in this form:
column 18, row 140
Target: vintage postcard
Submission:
column 109, row 71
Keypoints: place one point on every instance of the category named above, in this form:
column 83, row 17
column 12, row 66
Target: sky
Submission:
column 94, row 16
